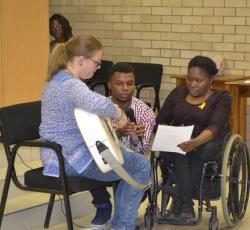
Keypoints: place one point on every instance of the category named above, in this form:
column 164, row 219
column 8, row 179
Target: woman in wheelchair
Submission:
column 69, row 64
column 208, row 110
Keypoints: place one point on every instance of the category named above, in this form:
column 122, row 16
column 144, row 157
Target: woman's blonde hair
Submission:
column 81, row 45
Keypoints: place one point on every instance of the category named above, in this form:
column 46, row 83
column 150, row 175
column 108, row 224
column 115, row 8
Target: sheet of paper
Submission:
column 168, row 137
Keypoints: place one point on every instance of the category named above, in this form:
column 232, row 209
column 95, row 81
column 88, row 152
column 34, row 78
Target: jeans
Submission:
column 127, row 198
column 188, row 170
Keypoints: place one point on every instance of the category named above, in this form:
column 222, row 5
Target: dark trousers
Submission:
column 100, row 196
column 188, row 169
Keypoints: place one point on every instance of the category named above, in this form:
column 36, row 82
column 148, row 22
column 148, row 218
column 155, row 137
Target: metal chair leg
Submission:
column 49, row 210
column 4, row 197
column 68, row 211
column 6, row 188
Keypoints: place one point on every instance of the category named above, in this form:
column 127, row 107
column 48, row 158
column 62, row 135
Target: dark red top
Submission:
column 211, row 114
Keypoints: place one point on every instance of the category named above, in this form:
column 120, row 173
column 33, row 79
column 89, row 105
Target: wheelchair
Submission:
column 226, row 179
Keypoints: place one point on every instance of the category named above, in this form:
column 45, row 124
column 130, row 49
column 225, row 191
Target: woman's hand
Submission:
column 120, row 119
column 188, row 146
column 204, row 137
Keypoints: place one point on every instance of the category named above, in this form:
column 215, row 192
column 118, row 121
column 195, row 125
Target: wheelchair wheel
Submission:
column 234, row 180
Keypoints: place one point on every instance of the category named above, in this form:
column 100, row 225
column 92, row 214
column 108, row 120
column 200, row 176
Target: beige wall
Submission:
column 165, row 31
column 23, row 50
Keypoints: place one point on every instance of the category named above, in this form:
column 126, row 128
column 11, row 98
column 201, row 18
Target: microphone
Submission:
column 131, row 115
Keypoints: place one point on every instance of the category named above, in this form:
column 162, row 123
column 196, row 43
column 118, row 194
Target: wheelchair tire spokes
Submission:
column 239, row 182
column 235, row 176
column 241, row 203
column 233, row 184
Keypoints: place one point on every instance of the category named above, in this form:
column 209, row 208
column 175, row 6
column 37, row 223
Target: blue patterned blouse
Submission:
column 61, row 95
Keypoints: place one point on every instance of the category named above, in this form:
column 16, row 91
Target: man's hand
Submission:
column 140, row 130
column 128, row 129
column 133, row 130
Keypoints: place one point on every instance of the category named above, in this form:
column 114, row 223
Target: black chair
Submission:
column 148, row 75
column 101, row 77
column 19, row 126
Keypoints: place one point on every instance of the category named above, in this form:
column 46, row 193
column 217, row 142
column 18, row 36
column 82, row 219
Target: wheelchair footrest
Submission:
column 166, row 220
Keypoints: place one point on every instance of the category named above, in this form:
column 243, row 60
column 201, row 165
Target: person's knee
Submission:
column 209, row 151
column 145, row 168
column 143, row 163
column 137, row 165
column 211, row 145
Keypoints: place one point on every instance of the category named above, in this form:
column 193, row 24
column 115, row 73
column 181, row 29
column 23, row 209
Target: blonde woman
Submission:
column 69, row 64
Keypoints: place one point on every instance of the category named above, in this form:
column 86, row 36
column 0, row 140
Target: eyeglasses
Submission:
column 196, row 80
column 98, row 63
column 56, row 26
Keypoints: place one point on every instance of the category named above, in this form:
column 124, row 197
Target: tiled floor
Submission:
column 244, row 225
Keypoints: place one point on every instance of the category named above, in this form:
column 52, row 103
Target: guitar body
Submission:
column 94, row 128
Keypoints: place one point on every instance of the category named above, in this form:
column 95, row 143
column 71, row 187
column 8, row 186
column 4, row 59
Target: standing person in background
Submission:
column 135, row 136
column 69, row 64
column 59, row 29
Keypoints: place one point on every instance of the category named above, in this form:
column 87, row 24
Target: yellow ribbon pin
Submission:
column 203, row 105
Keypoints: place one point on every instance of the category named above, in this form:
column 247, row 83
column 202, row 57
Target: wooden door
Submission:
column 24, row 49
